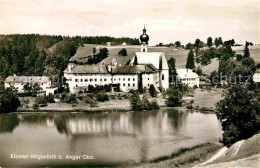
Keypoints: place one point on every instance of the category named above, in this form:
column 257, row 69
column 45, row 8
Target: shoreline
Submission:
column 184, row 157
column 108, row 110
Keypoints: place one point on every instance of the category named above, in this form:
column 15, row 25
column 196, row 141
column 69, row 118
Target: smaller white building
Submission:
column 256, row 77
column 18, row 82
column 188, row 77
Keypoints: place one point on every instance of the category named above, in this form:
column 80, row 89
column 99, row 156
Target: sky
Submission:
column 166, row 21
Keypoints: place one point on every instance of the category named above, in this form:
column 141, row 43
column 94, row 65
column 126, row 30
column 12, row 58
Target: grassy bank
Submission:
column 74, row 110
column 184, row 157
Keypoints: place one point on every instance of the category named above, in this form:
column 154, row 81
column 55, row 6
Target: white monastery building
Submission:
column 256, row 77
column 18, row 82
column 145, row 69
column 187, row 77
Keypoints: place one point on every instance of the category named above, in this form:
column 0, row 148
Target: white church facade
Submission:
column 145, row 69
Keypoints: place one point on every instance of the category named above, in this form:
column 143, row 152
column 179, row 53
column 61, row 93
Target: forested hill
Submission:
column 29, row 54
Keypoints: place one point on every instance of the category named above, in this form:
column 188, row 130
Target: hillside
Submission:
column 180, row 55
column 242, row 153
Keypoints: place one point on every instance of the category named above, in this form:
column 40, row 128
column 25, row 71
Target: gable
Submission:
column 157, row 59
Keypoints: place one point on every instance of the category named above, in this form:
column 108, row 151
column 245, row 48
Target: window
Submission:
column 81, row 80
column 114, row 79
column 129, row 84
column 148, row 84
column 123, row 79
column 105, row 79
column 133, row 85
column 162, row 76
column 86, row 80
column 100, row 79
column 123, row 84
column 128, row 79
column 76, row 85
column 95, row 79
column 118, row 79
column 76, row 80
column 148, row 78
column 90, row 79
column 133, row 79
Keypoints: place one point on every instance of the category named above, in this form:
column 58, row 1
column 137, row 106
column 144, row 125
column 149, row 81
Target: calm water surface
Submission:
column 111, row 138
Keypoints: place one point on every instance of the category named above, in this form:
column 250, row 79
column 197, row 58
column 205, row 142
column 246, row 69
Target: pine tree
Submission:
column 209, row 42
column 246, row 51
column 172, row 67
column 197, row 43
column 216, row 41
column 190, row 60
column 220, row 41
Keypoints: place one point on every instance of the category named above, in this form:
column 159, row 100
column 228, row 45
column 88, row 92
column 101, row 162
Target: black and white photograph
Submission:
column 130, row 83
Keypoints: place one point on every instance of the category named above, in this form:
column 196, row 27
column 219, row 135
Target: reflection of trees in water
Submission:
column 177, row 118
column 174, row 116
column 8, row 122
column 61, row 124
column 34, row 118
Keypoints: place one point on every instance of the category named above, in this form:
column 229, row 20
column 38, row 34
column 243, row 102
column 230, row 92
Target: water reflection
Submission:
column 112, row 138
column 8, row 122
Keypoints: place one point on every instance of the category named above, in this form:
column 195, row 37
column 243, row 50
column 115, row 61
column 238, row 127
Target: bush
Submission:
column 189, row 106
column 199, row 71
column 102, row 97
column 154, row 105
column 87, row 99
column 239, row 57
column 68, row 98
column 72, row 99
column 141, row 90
column 122, row 52
column 99, row 88
column 9, row 102
column 136, row 103
column 41, row 101
column 90, row 89
column 152, row 91
column 35, row 106
column 144, row 104
column 174, row 97
column 50, row 98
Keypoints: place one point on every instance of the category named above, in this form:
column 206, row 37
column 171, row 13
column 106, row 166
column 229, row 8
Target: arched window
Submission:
column 162, row 76
column 144, row 50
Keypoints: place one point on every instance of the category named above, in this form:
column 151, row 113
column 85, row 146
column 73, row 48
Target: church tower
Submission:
column 144, row 38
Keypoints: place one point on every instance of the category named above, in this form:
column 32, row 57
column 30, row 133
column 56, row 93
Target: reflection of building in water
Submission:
column 118, row 124
column 88, row 125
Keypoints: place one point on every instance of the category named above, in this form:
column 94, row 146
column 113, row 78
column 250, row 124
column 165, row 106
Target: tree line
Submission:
column 36, row 54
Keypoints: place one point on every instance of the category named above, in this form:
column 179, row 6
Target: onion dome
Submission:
column 144, row 38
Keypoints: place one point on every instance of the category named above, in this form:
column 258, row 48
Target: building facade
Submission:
column 145, row 69
column 187, row 77
column 18, row 82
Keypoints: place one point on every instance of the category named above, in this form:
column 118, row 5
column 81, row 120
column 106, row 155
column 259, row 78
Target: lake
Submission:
column 100, row 139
